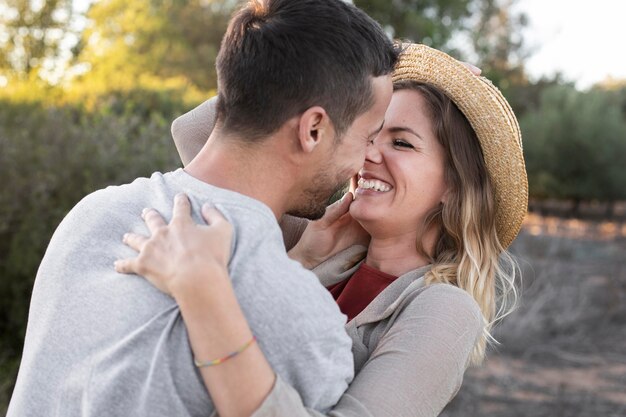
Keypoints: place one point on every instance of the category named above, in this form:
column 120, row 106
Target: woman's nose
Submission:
column 372, row 153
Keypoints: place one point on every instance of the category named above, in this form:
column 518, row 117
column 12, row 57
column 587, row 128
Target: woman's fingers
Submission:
column 182, row 208
column 337, row 209
column 353, row 185
column 153, row 219
column 125, row 266
column 135, row 241
column 211, row 214
column 473, row 68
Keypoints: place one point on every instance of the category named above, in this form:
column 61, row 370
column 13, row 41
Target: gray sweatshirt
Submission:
column 103, row 344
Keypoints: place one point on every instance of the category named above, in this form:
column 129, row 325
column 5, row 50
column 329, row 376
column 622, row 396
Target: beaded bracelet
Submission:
column 214, row 362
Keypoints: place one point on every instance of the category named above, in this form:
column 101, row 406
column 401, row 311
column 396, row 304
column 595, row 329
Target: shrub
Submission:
column 574, row 143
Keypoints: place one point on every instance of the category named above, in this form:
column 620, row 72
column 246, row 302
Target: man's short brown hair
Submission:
column 281, row 57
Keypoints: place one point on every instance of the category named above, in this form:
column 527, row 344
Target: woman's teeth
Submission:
column 374, row 185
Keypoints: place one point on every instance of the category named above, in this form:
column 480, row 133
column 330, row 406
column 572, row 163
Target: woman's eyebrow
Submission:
column 405, row 129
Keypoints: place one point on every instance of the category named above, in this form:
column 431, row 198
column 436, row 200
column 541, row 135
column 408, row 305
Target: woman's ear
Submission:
column 315, row 127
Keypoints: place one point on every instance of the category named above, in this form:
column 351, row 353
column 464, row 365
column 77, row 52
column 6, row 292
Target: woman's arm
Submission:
column 217, row 327
column 416, row 368
column 177, row 262
column 191, row 130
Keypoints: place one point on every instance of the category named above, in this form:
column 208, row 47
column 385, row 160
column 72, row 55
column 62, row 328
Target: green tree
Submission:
column 498, row 43
column 432, row 22
column 490, row 28
column 32, row 32
column 574, row 144
column 164, row 38
column 525, row 96
column 487, row 33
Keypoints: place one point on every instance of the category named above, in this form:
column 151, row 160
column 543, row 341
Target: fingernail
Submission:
column 125, row 237
column 143, row 212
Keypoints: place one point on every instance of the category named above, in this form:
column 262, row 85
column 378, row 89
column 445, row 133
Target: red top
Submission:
column 355, row 293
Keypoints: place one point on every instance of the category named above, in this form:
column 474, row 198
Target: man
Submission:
column 304, row 86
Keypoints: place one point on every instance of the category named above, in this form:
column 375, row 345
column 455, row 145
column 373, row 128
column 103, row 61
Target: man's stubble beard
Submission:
column 316, row 198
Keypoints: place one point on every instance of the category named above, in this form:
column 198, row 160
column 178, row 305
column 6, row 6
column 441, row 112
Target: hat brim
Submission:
column 492, row 119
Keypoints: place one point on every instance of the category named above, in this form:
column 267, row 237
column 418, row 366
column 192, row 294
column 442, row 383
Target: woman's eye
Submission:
column 402, row 144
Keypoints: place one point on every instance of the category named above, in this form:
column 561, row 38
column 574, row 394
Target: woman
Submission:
column 441, row 194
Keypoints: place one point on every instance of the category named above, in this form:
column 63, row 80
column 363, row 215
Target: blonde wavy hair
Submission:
column 467, row 252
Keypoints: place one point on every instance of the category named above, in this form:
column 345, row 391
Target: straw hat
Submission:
column 493, row 121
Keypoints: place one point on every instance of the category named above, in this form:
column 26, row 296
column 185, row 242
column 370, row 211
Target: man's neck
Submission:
column 254, row 171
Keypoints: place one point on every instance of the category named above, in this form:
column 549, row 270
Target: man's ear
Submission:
column 315, row 127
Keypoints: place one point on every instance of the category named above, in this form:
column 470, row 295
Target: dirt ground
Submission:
column 563, row 352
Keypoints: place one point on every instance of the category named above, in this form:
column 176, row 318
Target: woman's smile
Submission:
column 370, row 185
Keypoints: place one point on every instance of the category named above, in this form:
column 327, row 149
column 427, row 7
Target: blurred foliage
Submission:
column 575, row 143
column 488, row 31
column 498, row 43
column 30, row 32
column 165, row 38
column 432, row 22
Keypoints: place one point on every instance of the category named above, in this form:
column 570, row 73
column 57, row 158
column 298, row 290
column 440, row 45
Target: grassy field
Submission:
column 563, row 352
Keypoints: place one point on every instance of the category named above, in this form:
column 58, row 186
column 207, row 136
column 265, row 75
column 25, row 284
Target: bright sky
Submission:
column 584, row 39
